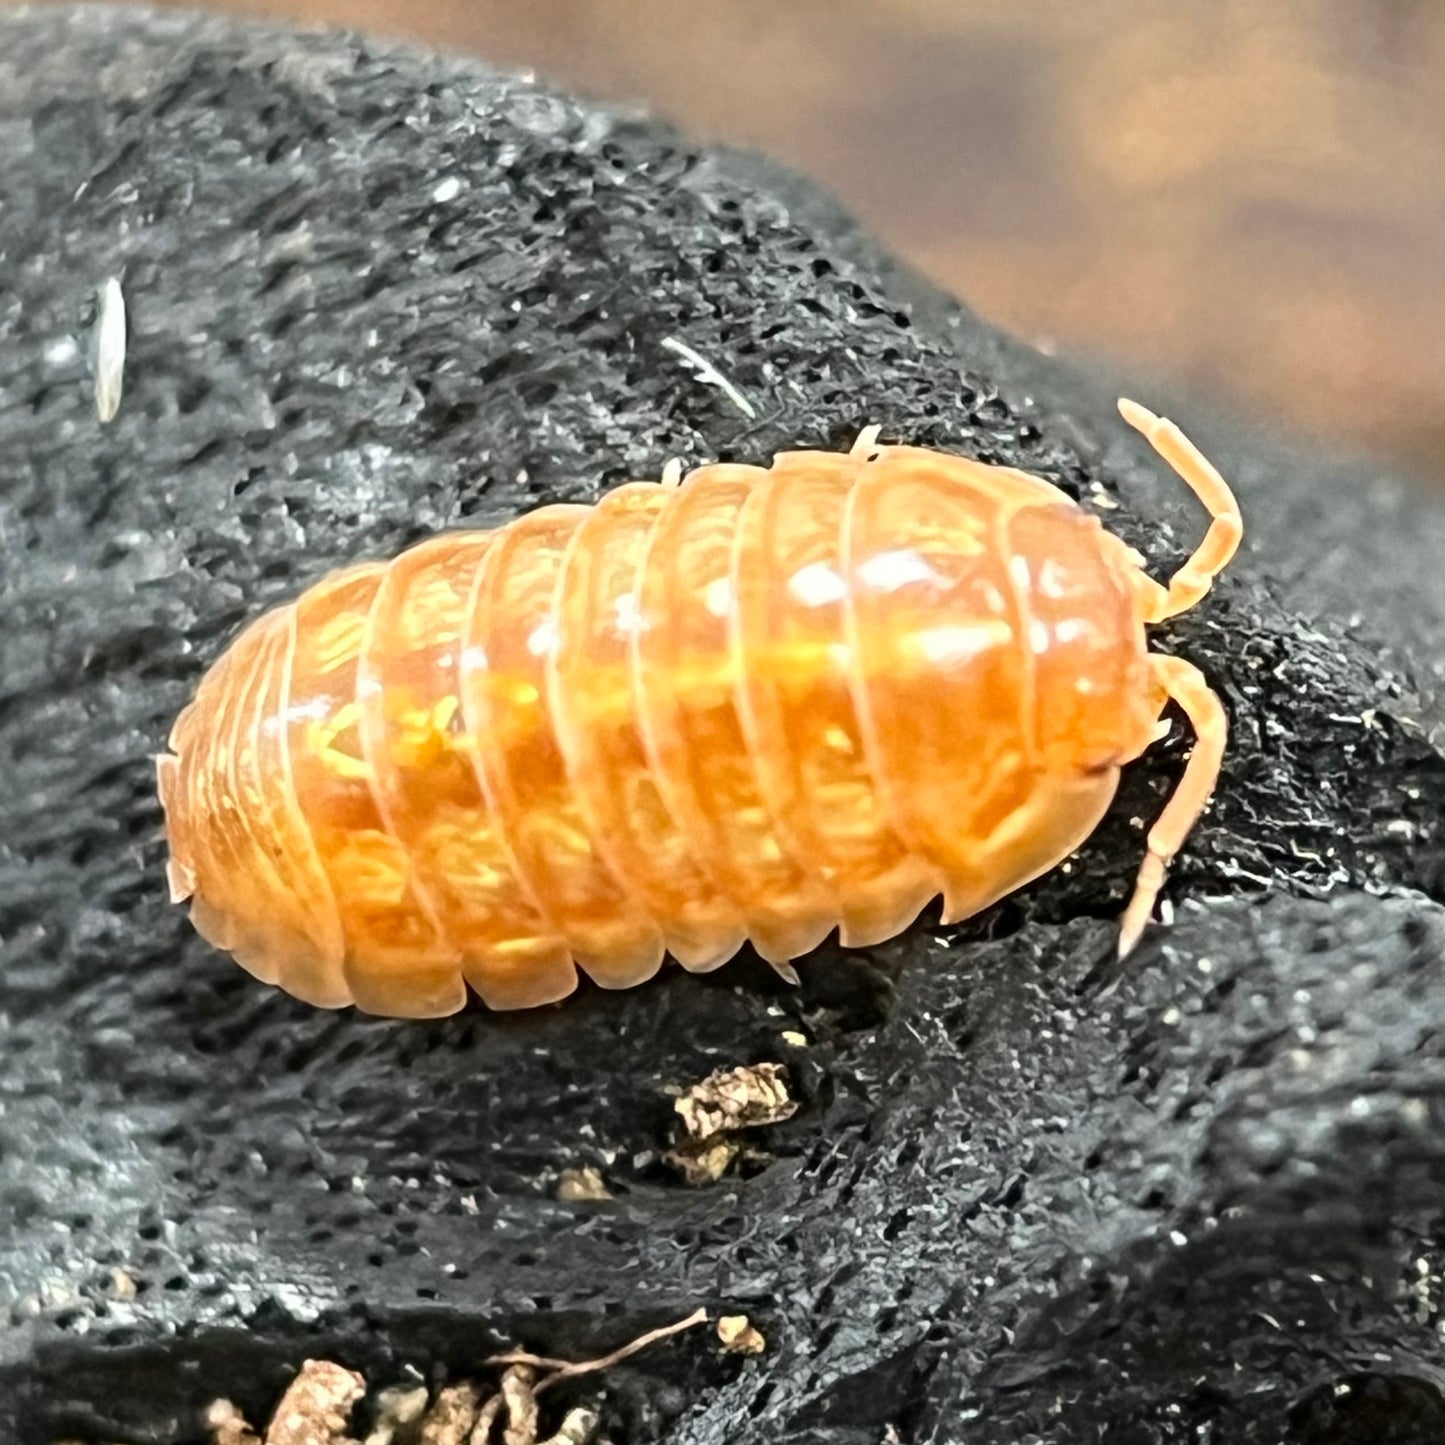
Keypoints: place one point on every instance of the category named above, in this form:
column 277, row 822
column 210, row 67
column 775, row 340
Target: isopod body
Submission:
column 758, row 705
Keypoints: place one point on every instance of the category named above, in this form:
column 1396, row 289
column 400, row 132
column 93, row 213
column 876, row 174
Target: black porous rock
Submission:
column 1029, row 1196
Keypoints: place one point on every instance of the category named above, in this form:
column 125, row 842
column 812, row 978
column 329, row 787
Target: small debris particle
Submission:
column 794, row 1039
column 315, row 1407
column 228, row 1426
column 710, row 375
column 401, row 1404
column 396, row 1408
column 520, row 1400
column 725, row 1104
column 733, row 1099
column 122, row 1285
column 486, row 1421
column 452, row 1416
column 576, row 1429
column 580, row 1184
column 705, row 1164
column 558, row 1370
column 109, row 350
column 740, row 1336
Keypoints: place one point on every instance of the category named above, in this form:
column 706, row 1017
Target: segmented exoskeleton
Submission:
column 758, row 704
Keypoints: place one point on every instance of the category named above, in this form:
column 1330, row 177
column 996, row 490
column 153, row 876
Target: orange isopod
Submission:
column 756, row 704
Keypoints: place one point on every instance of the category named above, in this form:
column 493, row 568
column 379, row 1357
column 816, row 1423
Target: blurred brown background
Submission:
column 1247, row 196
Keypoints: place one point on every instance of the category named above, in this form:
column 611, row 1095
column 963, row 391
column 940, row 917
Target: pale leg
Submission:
column 1226, row 527
column 1186, row 685
column 867, row 442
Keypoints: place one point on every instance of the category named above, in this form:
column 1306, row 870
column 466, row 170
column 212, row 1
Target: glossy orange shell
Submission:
column 759, row 706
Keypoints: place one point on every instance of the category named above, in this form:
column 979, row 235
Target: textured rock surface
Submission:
column 1028, row 1197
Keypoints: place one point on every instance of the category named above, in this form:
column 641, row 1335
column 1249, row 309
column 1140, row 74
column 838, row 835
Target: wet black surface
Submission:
column 1028, row 1196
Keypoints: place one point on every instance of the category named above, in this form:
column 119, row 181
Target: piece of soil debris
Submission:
column 718, row 1114
column 739, row 1336
column 318, row 1404
column 731, row 1100
column 587, row 1183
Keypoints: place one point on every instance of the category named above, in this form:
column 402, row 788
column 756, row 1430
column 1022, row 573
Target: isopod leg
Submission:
column 1186, row 685
column 785, row 971
column 180, row 871
column 867, row 442
column 1226, row 526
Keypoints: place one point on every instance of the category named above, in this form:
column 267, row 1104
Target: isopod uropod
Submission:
column 758, row 705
